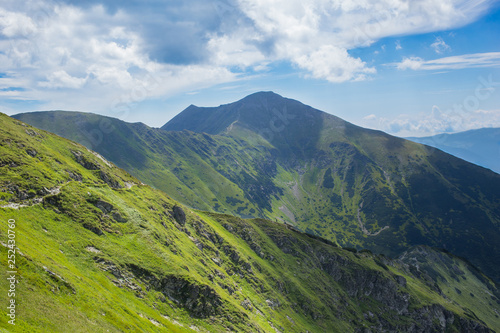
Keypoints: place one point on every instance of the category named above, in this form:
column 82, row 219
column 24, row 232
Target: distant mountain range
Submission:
column 98, row 251
column 479, row 146
column 273, row 157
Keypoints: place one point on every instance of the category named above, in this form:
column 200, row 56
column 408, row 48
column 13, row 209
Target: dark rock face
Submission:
column 106, row 207
column 201, row 301
column 21, row 195
column 433, row 318
column 83, row 161
column 75, row 176
column 113, row 183
column 90, row 165
column 93, row 228
column 364, row 285
column 118, row 217
column 179, row 215
column 31, row 152
column 467, row 326
column 109, row 209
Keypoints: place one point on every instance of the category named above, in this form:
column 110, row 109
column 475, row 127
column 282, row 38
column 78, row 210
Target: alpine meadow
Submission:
column 250, row 166
column 278, row 216
column 98, row 250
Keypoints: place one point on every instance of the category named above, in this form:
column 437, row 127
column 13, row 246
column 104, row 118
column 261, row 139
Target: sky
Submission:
column 407, row 67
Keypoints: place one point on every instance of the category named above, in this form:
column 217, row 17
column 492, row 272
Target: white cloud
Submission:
column 490, row 59
column 90, row 56
column 334, row 64
column 231, row 50
column 15, row 24
column 313, row 34
column 440, row 46
column 61, row 79
column 435, row 122
column 398, row 45
column 90, row 60
column 410, row 63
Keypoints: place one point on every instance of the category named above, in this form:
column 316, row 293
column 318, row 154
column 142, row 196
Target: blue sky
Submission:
column 403, row 66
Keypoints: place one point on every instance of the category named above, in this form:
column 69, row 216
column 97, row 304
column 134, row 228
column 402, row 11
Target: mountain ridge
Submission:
column 357, row 187
column 478, row 146
column 99, row 254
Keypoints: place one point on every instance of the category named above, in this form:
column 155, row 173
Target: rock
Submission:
column 93, row 228
column 113, row 183
column 83, row 161
column 273, row 304
column 201, row 301
column 31, row 152
column 118, row 217
column 400, row 280
column 31, row 132
column 75, row 176
column 247, row 305
column 106, row 207
column 92, row 249
column 179, row 215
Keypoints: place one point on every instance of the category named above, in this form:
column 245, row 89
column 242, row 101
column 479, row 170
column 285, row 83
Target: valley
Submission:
column 272, row 157
column 97, row 250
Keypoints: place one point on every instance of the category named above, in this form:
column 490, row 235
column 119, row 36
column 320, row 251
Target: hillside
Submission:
column 272, row 157
column 98, row 251
column 479, row 146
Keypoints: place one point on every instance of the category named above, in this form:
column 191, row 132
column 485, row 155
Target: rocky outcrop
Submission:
column 83, row 161
column 110, row 210
column 179, row 215
column 93, row 165
column 200, row 300
column 393, row 312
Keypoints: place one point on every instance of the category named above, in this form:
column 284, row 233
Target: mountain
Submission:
column 190, row 167
column 276, row 158
column 98, row 251
column 479, row 146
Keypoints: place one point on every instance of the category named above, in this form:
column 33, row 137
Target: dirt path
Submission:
column 53, row 191
column 362, row 226
column 35, row 201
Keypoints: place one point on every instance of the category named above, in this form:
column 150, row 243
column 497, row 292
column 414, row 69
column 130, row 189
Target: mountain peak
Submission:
column 263, row 94
column 256, row 112
column 281, row 159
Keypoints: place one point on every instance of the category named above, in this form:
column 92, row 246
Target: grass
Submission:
column 97, row 257
column 405, row 186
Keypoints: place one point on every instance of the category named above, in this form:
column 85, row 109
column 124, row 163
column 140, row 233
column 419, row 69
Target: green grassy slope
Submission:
column 193, row 168
column 456, row 280
column 361, row 187
column 267, row 156
column 98, row 251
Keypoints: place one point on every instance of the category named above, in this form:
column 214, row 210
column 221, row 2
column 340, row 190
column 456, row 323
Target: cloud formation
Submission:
column 440, row 46
column 476, row 60
column 435, row 122
column 92, row 58
column 316, row 35
column 96, row 52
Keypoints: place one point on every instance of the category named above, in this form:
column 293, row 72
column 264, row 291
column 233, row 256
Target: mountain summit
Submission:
column 287, row 124
column 273, row 157
column 260, row 112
